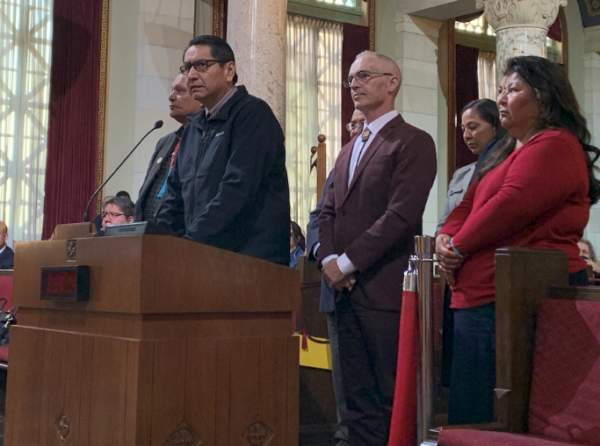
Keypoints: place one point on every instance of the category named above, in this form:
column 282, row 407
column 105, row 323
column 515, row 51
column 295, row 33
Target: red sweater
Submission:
column 537, row 198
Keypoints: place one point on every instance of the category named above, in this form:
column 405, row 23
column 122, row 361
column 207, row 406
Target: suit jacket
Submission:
column 375, row 218
column 164, row 148
column 327, row 301
column 7, row 258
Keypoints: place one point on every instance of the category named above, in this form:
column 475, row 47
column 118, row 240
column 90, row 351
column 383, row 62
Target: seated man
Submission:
column 7, row 256
column 117, row 210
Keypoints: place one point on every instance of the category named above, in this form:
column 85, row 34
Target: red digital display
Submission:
column 65, row 283
column 61, row 282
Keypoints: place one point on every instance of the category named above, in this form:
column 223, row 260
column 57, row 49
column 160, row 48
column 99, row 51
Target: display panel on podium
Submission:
column 179, row 343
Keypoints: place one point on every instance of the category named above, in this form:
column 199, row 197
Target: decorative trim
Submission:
column 71, row 250
column 258, row 433
column 184, row 435
column 371, row 19
column 220, row 18
column 451, row 113
column 102, row 102
column 565, row 38
column 62, row 424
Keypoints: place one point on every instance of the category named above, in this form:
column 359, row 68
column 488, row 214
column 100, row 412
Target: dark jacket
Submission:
column 162, row 154
column 327, row 300
column 229, row 187
column 7, row 258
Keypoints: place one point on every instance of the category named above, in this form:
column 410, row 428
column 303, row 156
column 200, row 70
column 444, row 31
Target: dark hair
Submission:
column 124, row 204
column 488, row 111
column 559, row 109
column 297, row 234
column 219, row 50
column 123, row 193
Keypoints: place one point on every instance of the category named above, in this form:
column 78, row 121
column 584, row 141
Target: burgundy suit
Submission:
column 373, row 221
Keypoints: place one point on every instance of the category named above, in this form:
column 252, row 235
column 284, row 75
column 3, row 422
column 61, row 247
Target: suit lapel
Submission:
column 344, row 163
column 378, row 140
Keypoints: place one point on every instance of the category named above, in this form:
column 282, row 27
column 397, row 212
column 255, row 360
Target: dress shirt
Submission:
column 224, row 99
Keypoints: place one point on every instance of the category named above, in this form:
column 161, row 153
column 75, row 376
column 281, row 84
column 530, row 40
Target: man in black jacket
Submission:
column 7, row 256
column 153, row 191
column 229, row 186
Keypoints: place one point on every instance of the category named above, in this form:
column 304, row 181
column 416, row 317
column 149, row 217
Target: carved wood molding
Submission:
column 102, row 102
column 371, row 19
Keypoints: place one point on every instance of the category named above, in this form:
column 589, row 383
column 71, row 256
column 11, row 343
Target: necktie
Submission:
column 364, row 138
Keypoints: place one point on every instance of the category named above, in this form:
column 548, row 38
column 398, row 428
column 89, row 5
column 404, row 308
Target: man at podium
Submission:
column 229, row 185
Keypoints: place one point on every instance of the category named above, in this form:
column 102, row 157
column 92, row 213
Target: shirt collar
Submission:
column 212, row 113
column 380, row 122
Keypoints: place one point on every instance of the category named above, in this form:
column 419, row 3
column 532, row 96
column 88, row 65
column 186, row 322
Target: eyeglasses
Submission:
column 362, row 77
column 112, row 214
column 351, row 126
column 201, row 65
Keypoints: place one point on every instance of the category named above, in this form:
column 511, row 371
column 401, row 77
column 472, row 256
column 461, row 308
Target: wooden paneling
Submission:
column 142, row 365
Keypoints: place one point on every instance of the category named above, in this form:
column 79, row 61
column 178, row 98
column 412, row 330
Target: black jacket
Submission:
column 7, row 258
column 229, row 187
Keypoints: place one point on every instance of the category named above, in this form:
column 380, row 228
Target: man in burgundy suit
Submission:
column 371, row 214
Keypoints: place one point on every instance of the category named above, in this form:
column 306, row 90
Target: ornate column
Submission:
column 256, row 30
column 521, row 26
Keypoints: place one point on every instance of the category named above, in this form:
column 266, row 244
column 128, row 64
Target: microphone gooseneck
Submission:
column 157, row 125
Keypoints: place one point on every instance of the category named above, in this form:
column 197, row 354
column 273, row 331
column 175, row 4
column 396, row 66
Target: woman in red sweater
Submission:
column 536, row 192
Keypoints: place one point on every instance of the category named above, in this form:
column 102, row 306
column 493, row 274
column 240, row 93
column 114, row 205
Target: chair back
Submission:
column 565, row 382
column 6, row 285
column 523, row 278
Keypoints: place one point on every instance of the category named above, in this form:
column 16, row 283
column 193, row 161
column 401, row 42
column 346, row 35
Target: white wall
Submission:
column 413, row 43
column 147, row 39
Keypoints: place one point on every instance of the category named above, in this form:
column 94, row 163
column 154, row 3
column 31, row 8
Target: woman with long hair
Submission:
column 535, row 191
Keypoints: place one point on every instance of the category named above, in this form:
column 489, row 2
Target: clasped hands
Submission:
column 448, row 260
column 336, row 278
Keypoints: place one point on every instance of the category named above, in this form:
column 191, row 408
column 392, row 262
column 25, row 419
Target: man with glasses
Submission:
column 229, row 185
column 327, row 300
column 153, row 190
column 117, row 210
column 370, row 216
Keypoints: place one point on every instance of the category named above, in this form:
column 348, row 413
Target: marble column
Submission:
column 521, row 26
column 256, row 30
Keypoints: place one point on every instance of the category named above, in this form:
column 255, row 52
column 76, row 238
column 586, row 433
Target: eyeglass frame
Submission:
column 368, row 75
column 209, row 63
column 105, row 214
column 353, row 125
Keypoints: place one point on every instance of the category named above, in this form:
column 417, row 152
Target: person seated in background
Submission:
column 7, row 256
column 587, row 253
column 98, row 219
column 117, row 210
column 297, row 244
column 124, row 194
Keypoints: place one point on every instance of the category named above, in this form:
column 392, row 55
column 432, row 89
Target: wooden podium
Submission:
column 179, row 344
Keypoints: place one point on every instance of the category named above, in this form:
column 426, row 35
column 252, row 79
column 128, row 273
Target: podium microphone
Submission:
column 157, row 125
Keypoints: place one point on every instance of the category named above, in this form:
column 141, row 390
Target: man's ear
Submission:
column 129, row 219
column 231, row 70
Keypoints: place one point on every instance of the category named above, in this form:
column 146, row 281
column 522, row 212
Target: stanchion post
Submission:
column 424, row 249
